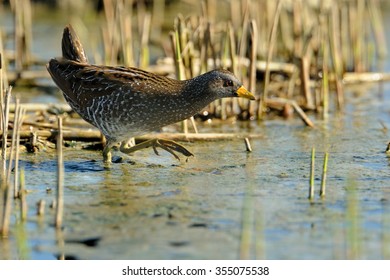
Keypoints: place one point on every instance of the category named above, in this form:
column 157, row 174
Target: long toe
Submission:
column 173, row 146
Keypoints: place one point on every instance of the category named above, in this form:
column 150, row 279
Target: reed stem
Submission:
column 248, row 145
column 311, row 188
column 60, row 177
column 22, row 196
column 5, row 119
column 18, row 124
column 271, row 44
column 324, row 175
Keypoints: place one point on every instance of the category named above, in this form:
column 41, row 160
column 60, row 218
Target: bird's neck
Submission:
column 195, row 91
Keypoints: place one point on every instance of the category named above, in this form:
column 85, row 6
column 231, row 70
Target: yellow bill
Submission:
column 243, row 92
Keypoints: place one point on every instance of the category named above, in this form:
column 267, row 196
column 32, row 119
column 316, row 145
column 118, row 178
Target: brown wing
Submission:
column 81, row 82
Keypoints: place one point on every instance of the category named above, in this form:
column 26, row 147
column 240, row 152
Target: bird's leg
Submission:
column 107, row 151
column 168, row 145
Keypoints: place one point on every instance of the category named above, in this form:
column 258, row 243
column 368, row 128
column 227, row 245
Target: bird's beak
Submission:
column 243, row 92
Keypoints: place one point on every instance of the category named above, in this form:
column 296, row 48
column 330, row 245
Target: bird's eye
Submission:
column 227, row 83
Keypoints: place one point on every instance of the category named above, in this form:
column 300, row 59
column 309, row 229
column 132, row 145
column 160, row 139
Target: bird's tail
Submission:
column 72, row 48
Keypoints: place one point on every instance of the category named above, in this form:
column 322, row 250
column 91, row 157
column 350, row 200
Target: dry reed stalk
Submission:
column 302, row 114
column 6, row 192
column 95, row 135
column 378, row 28
column 60, row 177
column 13, row 141
column 325, row 69
column 291, row 85
column 3, row 74
column 179, row 66
column 252, row 66
column 5, row 119
column 242, row 43
column 248, row 144
column 111, row 37
column 263, row 27
column 60, row 244
column 77, row 135
column 44, row 125
column 176, row 42
column 271, row 44
column 357, row 24
column 198, row 136
column 27, row 27
column 305, row 81
column 18, row 33
column 126, row 38
column 351, row 78
column 297, row 27
column 225, row 54
column 324, row 175
column 235, row 14
column 206, row 47
column 22, row 33
column 5, row 187
column 345, row 37
column 144, row 49
column 336, row 52
column 18, row 125
column 224, row 64
column 312, row 161
column 42, row 107
column 41, row 207
column 286, row 34
column 232, row 48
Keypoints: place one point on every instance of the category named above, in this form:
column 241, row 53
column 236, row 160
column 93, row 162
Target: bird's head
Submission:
column 222, row 83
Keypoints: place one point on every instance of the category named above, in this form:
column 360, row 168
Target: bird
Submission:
column 125, row 102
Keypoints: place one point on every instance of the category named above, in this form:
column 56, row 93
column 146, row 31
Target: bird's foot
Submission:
column 167, row 145
column 107, row 156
